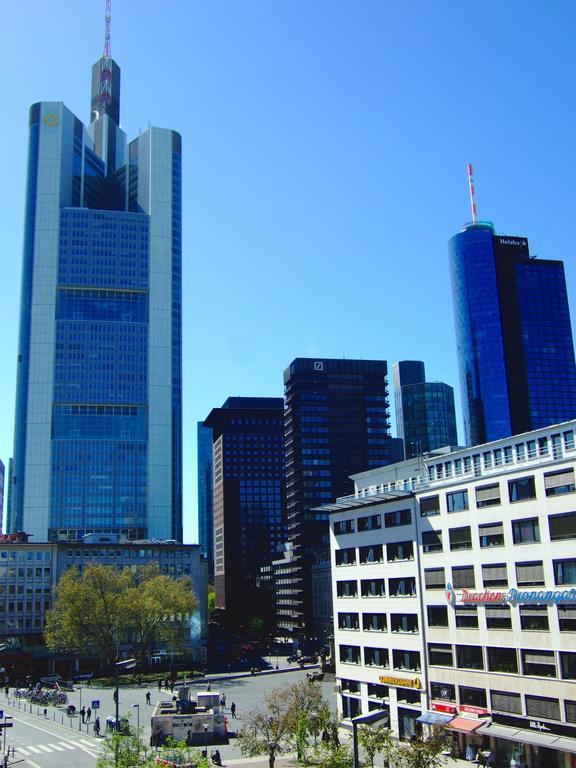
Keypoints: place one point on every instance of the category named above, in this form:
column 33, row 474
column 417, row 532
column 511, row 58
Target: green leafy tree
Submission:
column 156, row 608
column 373, row 740
column 420, row 753
column 88, row 612
column 334, row 755
column 281, row 716
column 97, row 610
column 129, row 751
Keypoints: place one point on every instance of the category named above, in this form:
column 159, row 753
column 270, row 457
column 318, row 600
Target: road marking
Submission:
column 88, row 743
column 33, row 764
column 66, row 745
column 43, row 748
column 34, row 750
column 23, row 751
column 57, row 747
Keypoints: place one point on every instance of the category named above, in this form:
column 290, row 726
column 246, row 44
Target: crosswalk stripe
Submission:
column 87, row 743
column 66, row 745
column 23, row 751
column 44, row 748
column 34, row 750
column 57, row 747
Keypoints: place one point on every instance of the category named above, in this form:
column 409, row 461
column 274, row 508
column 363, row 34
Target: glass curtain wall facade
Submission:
column 425, row 411
column 336, row 423
column 98, row 410
column 513, row 332
column 205, row 496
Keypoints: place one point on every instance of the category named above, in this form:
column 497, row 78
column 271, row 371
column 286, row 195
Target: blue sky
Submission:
column 325, row 149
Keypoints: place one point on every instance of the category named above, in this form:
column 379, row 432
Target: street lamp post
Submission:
column 271, row 753
column 6, row 717
column 137, row 708
column 80, row 709
column 205, row 726
column 126, row 664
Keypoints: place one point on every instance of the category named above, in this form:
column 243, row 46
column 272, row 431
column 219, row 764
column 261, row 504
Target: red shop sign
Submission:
column 450, row 708
column 474, row 710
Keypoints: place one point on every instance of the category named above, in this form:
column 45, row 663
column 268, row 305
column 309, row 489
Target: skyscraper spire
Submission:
column 107, row 54
column 106, row 79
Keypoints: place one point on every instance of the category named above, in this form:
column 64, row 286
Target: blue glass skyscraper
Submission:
column 98, row 408
column 206, row 496
column 513, row 332
column 425, row 412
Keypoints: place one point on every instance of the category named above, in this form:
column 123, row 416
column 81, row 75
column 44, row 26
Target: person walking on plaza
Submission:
column 97, row 726
column 148, row 697
column 83, row 715
column 88, row 714
column 233, row 709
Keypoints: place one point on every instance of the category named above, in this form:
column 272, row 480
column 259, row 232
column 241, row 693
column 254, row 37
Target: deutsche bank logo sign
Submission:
column 318, row 366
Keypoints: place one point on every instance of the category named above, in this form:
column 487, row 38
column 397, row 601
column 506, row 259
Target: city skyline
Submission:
column 315, row 139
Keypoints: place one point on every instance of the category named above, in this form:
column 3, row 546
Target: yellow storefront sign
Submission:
column 401, row 682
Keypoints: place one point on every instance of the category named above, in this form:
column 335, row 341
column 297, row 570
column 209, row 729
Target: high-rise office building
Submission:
column 249, row 506
column 515, row 348
column 98, row 438
column 425, row 412
column 336, row 423
column 205, row 497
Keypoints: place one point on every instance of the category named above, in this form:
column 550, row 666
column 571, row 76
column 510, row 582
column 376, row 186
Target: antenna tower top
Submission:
column 107, row 54
column 472, row 193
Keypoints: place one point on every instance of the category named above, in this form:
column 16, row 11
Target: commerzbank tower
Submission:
column 98, row 434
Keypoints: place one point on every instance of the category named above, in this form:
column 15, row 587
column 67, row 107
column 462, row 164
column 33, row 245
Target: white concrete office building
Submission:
column 454, row 592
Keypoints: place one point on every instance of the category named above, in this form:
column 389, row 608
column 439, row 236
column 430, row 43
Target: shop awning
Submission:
column 519, row 734
column 565, row 744
column 434, row 718
column 465, row 724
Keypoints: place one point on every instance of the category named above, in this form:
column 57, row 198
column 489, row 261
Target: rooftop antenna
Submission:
column 107, row 54
column 472, row 193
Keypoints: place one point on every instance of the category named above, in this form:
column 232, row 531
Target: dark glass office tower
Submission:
column 205, row 497
column 425, row 412
column 336, row 424
column 98, row 412
column 249, row 506
column 515, row 348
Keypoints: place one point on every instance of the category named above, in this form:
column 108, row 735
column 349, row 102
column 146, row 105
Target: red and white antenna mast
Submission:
column 472, row 193
column 107, row 54
column 106, row 68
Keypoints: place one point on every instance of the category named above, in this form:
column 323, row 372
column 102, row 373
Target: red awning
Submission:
column 464, row 724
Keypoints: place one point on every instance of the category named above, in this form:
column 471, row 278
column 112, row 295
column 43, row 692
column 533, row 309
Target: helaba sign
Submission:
column 509, row 597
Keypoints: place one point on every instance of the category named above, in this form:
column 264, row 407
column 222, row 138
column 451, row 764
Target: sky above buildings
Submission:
column 325, row 146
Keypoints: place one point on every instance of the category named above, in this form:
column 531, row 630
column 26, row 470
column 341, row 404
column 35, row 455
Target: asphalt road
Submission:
column 56, row 741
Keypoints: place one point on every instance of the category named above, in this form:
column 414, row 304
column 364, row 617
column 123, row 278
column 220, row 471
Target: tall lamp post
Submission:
column 205, row 726
column 79, row 709
column 137, row 708
column 120, row 665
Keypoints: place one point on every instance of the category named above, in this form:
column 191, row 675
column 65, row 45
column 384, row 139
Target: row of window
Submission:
column 378, row 622
column 374, row 522
column 505, row 456
column 532, row 617
column 504, row 701
column 374, row 553
column 528, row 662
column 397, row 587
column 380, row 657
column 519, row 489
column 528, row 574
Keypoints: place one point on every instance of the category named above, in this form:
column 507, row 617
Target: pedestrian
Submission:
column 115, row 696
column 7, row 690
column 159, row 685
column 88, row 714
column 223, row 700
column 97, row 726
column 171, row 686
column 89, row 682
column 233, row 709
column 83, row 714
column 148, row 697
column 208, row 687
